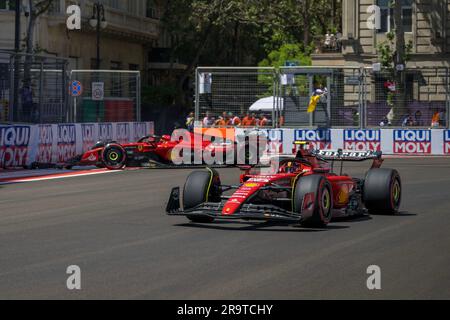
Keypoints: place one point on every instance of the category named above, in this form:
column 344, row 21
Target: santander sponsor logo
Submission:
column 447, row 142
column 412, row 141
column 361, row 140
column 318, row 139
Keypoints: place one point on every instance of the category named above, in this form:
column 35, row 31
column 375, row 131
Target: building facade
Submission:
column 133, row 30
column 426, row 24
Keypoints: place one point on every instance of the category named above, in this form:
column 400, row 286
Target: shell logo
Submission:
column 343, row 196
column 251, row 185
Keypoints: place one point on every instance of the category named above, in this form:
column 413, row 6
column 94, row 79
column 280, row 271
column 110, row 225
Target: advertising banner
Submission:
column 14, row 145
column 22, row 145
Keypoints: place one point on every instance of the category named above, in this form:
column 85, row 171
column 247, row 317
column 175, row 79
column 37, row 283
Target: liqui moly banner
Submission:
column 414, row 142
column 447, row 142
column 88, row 136
column 275, row 141
column 45, row 144
column 123, row 132
column 361, row 140
column 66, row 142
column 14, row 145
column 318, row 139
column 22, row 145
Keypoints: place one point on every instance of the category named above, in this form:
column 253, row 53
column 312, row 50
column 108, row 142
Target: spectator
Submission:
column 390, row 117
column 208, row 121
column 222, row 122
column 190, row 121
column 436, row 119
column 263, row 121
column 249, row 120
column 418, row 119
column 234, row 120
column 407, row 121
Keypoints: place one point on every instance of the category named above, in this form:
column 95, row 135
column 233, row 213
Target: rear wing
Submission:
column 347, row 155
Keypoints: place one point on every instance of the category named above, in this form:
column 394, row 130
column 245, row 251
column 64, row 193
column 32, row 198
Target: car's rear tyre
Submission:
column 319, row 189
column 382, row 192
column 201, row 186
column 114, row 156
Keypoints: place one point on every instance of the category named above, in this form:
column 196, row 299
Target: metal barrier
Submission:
column 107, row 96
column 340, row 102
column 422, row 101
column 33, row 88
column 350, row 96
column 235, row 94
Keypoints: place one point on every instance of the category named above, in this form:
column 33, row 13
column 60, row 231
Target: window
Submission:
column 387, row 15
column 151, row 10
column 7, row 5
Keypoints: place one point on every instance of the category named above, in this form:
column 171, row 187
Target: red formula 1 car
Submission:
column 152, row 151
column 300, row 190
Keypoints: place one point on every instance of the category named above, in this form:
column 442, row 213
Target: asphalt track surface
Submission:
column 114, row 227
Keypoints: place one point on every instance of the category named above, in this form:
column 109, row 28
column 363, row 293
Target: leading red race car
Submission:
column 301, row 190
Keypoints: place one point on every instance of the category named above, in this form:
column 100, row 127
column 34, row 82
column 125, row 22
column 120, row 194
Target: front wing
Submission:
column 246, row 212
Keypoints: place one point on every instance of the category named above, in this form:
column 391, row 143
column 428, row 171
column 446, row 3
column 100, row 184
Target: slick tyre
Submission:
column 313, row 191
column 382, row 192
column 114, row 157
column 201, row 186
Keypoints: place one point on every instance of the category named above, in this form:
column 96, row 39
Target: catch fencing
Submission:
column 106, row 96
column 38, row 89
column 351, row 97
column 32, row 88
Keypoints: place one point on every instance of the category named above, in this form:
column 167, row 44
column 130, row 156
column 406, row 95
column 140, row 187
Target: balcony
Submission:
column 328, row 50
column 120, row 22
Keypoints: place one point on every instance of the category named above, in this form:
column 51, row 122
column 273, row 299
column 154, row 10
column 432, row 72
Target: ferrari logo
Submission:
column 140, row 148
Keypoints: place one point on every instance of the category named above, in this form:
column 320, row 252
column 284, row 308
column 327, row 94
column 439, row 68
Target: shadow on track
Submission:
column 261, row 227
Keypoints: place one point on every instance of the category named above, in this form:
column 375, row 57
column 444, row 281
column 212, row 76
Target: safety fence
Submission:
column 32, row 88
column 350, row 97
column 40, row 89
column 21, row 145
column 104, row 96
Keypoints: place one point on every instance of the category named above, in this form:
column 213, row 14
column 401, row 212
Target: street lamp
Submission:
column 98, row 22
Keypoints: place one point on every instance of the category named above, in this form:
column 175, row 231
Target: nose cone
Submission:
column 240, row 197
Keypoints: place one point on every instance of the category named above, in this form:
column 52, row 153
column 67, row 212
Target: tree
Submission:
column 36, row 9
column 240, row 32
column 393, row 53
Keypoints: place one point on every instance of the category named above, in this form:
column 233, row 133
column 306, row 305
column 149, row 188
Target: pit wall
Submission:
column 400, row 142
column 21, row 145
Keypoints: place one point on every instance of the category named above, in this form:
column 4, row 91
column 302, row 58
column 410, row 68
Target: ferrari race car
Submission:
column 151, row 151
column 301, row 189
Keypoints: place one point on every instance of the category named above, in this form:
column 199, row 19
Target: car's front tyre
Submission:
column 313, row 198
column 200, row 187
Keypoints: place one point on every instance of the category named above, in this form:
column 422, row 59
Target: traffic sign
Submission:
column 98, row 91
column 76, row 88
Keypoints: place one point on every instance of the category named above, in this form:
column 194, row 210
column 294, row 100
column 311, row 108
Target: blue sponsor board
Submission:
column 319, row 138
column 275, row 139
column 447, row 142
column 45, row 143
column 105, row 131
column 88, row 135
column 123, row 133
column 360, row 140
column 140, row 129
column 412, row 141
column 66, row 142
column 14, row 143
